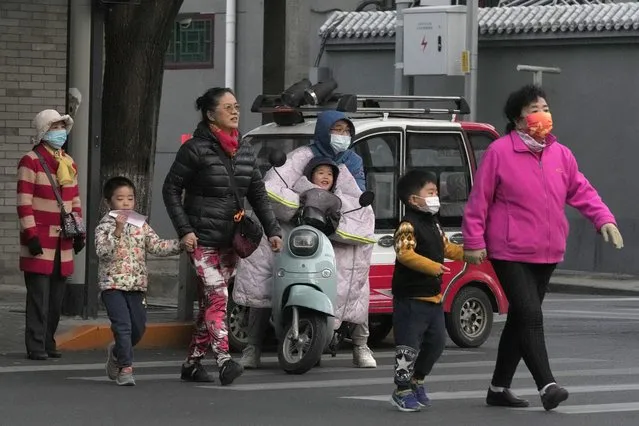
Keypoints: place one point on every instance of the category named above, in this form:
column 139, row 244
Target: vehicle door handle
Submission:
column 457, row 238
column 386, row 241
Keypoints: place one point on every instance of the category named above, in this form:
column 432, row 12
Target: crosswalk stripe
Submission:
column 590, row 408
column 307, row 384
column 595, row 315
column 480, row 394
column 592, row 299
column 631, row 314
column 274, row 371
column 173, row 363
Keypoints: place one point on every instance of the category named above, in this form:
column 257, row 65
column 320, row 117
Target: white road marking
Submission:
column 592, row 299
column 274, row 371
column 308, row 384
column 590, row 408
column 595, row 315
column 480, row 394
column 176, row 363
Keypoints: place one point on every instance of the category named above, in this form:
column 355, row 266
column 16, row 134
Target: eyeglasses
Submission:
column 231, row 108
column 341, row 131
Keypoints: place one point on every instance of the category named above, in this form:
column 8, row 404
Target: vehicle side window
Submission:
column 444, row 155
column 380, row 154
column 479, row 142
column 263, row 146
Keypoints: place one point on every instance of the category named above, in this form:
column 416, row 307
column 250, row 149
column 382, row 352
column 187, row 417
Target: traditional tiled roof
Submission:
column 583, row 18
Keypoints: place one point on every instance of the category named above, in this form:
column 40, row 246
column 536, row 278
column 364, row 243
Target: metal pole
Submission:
column 400, row 80
column 229, row 63
column 538, row 72
column 472, row 45
column 79, row 78
column 94, row 190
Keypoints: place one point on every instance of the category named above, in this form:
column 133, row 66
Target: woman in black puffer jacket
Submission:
column 204, row 220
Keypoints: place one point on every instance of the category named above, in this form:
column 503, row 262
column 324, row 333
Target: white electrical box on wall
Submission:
column 434, row 40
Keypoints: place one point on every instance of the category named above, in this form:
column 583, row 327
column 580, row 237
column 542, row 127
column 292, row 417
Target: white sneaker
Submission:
column 363, row 357
column 125, row 377
column 251, row 357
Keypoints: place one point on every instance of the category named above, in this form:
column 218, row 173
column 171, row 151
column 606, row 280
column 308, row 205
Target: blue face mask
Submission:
column 55, row 138
column 340, row 143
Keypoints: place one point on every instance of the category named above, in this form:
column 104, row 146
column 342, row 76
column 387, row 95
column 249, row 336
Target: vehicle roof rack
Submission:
column 266, row 104
column 371, row 104
column 286, row 115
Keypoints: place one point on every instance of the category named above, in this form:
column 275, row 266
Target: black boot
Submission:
column 194, row 372
column 505, row 398
column 230, row 371
column 54, row 353
column 38, row 356
column 553, row 396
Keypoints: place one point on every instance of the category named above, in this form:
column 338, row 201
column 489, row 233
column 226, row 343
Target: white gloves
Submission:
column 609, row 231
column 611, row 234
column 475, row 256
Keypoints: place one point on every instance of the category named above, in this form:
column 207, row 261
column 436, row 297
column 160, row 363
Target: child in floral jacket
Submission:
column 121, row 245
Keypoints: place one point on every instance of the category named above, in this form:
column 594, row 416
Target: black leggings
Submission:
column 525, row 286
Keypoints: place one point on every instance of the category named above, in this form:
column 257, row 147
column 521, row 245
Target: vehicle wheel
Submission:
column 297, row 357
column 471, row 318
column 237, row 318
column 379, row 326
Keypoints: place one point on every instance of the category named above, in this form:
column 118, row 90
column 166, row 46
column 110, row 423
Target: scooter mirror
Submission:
column 367, row 198
column 277, row 158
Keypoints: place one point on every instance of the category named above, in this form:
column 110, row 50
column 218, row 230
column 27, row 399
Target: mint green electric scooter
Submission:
column 305, row 284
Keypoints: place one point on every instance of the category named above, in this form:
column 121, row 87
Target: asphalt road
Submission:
column 593, row 343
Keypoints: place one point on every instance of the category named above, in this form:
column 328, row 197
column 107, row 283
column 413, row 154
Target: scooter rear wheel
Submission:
column 299, row 356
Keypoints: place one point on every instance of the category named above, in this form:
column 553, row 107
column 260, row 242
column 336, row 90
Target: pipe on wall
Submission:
column 229, row 63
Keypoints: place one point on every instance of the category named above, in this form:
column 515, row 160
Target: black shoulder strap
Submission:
column 227, row 164
column 54, row 184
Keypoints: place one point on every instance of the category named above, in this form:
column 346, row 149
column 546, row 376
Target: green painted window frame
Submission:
column 196, row 39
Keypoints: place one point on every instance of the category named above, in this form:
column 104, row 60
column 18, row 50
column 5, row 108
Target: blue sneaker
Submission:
column 420, row 394
column 405, row 400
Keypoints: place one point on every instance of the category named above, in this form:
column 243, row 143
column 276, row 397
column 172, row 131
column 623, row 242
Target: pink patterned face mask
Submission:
column 539, row 124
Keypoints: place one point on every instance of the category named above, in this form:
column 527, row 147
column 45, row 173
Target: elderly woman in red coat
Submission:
column 46, row 255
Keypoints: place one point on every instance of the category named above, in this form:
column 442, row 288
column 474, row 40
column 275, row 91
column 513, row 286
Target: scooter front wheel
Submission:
column 298, row 355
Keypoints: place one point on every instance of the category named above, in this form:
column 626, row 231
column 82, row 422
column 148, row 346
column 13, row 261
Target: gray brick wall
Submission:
column 33, row 52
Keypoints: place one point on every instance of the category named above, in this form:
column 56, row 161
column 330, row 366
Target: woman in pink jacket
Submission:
column 515, row 217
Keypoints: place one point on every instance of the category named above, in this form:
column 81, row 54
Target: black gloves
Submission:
column 35, row 248
column 78, row 244
column 332, row 222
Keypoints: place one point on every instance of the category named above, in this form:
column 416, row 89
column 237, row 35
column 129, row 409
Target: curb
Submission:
column 176, row 335
column 582, row 289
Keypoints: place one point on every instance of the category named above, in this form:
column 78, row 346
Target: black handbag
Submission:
column 248, row 232
column 71, row 223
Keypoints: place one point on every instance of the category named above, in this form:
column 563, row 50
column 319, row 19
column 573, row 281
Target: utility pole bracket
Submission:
column 538, row 72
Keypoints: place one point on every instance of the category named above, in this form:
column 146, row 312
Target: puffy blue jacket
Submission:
column 321, row 145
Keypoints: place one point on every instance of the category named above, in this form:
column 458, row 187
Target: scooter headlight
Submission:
column 303, row 242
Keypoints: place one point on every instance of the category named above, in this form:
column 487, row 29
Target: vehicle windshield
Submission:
column 265, row 144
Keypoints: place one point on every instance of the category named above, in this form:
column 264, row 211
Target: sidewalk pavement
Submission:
column 165, row 331
column 594, row 283
column 75, row 333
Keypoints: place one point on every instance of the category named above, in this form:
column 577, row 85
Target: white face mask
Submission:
column 340, row 143
column 431, row 206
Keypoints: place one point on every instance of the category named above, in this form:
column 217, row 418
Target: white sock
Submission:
column 543, row 390
column 496, row 388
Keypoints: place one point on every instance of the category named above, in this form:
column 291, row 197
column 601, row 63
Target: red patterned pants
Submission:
column 214, row 268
